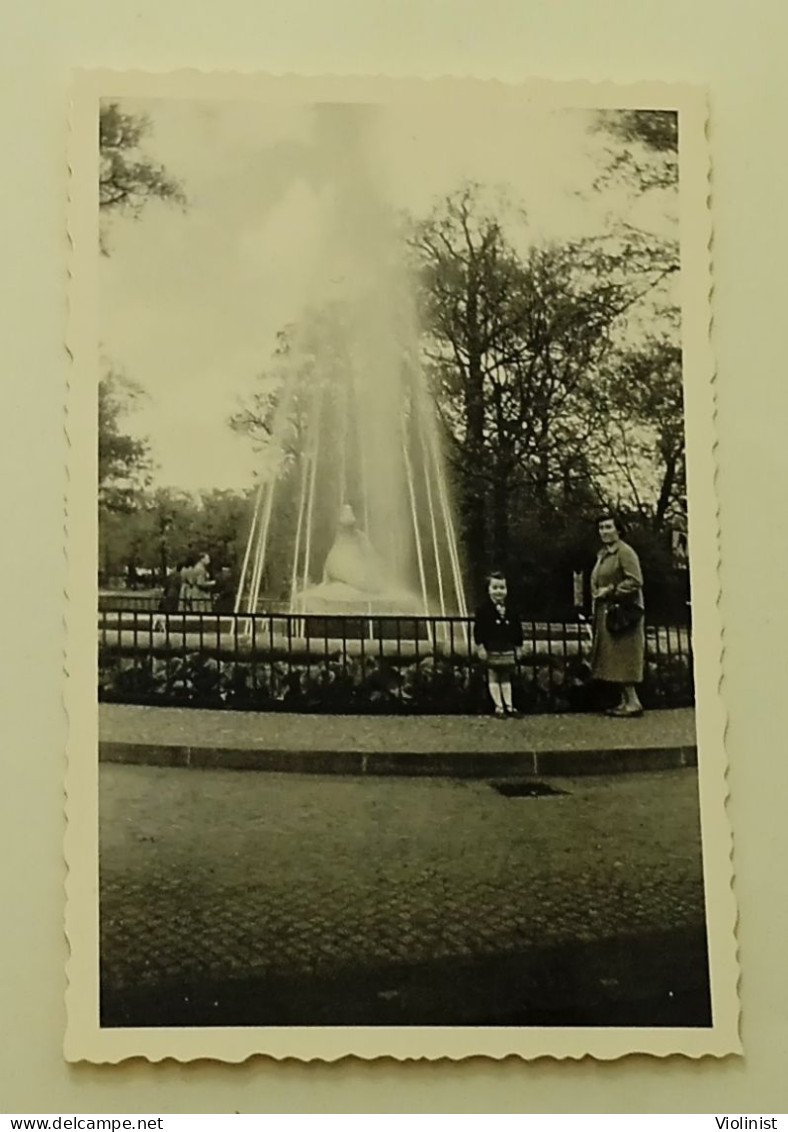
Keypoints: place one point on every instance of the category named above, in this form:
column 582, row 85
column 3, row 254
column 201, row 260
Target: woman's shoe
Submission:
column 626, row 712
column 500, row 713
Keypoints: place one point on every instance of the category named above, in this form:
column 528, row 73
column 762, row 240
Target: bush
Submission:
column 431, row 685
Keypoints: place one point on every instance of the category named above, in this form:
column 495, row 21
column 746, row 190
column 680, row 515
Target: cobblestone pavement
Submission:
column 246, row 898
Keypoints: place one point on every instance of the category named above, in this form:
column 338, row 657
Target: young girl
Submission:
column 498, row 634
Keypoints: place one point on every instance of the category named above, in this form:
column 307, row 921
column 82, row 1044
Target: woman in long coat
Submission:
column 187, row 583
column 201, row 583
column 617, row 657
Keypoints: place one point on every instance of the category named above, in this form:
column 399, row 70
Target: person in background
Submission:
column 169, row 600
column 172, row 592
column 498, row 635
column 186, row 597
column 618, row 650
column 202, row 583
column 224, row 593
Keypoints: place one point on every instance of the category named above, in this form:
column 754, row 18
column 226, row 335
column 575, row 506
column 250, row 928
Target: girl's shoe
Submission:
column 500, row 713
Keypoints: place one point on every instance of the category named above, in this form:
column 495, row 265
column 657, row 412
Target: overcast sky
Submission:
column 191, row 301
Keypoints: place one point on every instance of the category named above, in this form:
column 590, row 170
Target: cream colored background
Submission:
column 741, row 60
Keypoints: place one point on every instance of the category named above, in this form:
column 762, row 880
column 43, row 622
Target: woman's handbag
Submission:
column 622, row 615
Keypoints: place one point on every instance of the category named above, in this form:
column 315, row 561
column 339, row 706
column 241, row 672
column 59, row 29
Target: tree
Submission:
column 468, row 272
column 222, row 525
column 124, row 467
column 168, row 525
column 170, row 528
column 642, row 170
column 124, row 463
column 658, row 130
column 643, row 394
column 305, row 354
column 128, row 178
column 641, row 402
column 645, row 148
column 515, row 345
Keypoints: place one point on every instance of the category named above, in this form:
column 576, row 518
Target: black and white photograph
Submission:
column 393, row 618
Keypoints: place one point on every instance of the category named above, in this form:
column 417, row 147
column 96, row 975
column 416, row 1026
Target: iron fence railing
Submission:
column 676, row 613
column 280, row 661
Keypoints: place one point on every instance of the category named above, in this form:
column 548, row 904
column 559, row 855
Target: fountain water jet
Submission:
column 355, row 501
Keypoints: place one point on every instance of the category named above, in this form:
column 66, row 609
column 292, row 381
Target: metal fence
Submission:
column 270, row 662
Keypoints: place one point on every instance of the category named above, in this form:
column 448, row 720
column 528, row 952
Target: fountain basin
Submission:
column 278, row 647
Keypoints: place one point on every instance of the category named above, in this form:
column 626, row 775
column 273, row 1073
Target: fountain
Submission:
column 353, row 517
column 352, row 550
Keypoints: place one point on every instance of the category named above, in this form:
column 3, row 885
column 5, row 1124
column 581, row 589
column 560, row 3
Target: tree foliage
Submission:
column 640, row 406
column 128, row 177
column 534, row 367
column 166, row 526
column 124, row 463
column 657, row 130
column 305, row 354
column 644, row 148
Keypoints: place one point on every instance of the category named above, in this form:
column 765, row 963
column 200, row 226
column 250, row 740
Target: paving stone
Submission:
column 214, row 875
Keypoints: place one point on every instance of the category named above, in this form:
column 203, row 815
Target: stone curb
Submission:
column 445, row 764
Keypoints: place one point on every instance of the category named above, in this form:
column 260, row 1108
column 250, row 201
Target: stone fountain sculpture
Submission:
column 355, row 578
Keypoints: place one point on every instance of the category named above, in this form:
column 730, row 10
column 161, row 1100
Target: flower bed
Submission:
column 342, row 684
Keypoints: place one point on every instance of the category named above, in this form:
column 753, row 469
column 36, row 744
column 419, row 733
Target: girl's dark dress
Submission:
column 499, row 634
